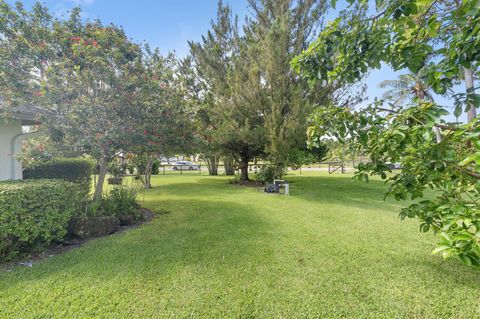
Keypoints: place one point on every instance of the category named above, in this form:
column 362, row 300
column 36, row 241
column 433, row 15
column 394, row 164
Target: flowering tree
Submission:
column 161, row 123
column 81, row 70
column 90, row 85
column 26, row 51
column 109, row 95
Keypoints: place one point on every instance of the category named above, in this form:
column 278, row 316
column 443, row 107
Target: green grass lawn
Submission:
column 332, row 249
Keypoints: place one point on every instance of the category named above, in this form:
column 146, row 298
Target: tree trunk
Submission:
column 244, row 169
column 212, row 163
column 470, row 89
column 279, row 170
column 438, row 134
column 101, row 178
column 229, row 164
column 148, row 171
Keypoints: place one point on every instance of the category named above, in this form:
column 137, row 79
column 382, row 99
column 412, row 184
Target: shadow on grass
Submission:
column 205, row 187
column 195, row 235
column 343, row 190
column 216, row 238
column 317, row 189
column 209, row 248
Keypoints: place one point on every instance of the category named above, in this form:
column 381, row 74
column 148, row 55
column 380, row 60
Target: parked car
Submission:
column 185, row 166
column 394, row 165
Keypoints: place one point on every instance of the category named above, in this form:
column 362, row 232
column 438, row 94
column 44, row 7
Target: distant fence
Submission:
column 169, row 169
column 330, row 166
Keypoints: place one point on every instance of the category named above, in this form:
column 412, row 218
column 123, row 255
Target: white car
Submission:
column 395, row 165
column 185, row 166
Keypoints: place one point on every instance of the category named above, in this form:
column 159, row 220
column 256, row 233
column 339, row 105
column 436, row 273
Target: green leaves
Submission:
column 473, row 100
column 35, row 213
column 406, row 135
column 471, row 158
column 408, row 35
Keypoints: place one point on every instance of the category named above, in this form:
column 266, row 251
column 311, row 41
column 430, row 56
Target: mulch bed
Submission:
column 72, row 242
column 248, row 183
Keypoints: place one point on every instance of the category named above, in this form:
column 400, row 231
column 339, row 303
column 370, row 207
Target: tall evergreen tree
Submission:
column 279, row 30
column 254, row 103
column 207, row 69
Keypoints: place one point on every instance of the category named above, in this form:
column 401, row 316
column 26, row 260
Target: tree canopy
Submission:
column 250, row 102
column 109, row 93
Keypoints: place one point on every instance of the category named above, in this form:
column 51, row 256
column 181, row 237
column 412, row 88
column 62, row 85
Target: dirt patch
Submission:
column 248, row 183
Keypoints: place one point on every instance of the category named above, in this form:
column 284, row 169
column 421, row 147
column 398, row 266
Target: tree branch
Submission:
column 387, row 110
column 375, row 17
column 446, row 127
column 470, row 173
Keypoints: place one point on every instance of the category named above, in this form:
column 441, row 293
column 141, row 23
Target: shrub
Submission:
column 35, row 213
column 155, row 167
column 115, row 169
column 139, row 163
column 76, row 170
column 234, row 180
column 119, row 201
column 266, row 175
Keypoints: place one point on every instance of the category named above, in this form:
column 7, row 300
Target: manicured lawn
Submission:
column 332, row 249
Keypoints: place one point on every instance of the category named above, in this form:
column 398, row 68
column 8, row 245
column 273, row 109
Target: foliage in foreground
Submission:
column 35, row 213
column 439, row 40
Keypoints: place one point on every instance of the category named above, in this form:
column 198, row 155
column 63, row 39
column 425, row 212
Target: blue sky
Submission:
column 169, row 24
column 166, row 24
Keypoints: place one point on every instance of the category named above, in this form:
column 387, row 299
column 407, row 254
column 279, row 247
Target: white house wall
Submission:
column 9, row 167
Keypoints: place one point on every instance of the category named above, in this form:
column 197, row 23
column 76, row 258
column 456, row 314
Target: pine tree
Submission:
column 278, row 31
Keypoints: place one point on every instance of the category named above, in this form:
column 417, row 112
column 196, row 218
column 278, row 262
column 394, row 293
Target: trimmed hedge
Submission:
column 35, row 213
column 76, row 170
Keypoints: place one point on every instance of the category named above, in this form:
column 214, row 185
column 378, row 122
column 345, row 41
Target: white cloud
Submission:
column 82, row 2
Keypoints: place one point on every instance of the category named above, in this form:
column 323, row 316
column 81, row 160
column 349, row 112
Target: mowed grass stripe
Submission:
column 332, row 249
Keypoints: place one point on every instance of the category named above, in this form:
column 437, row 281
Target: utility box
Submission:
column 277, row 185
column 282, row 183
